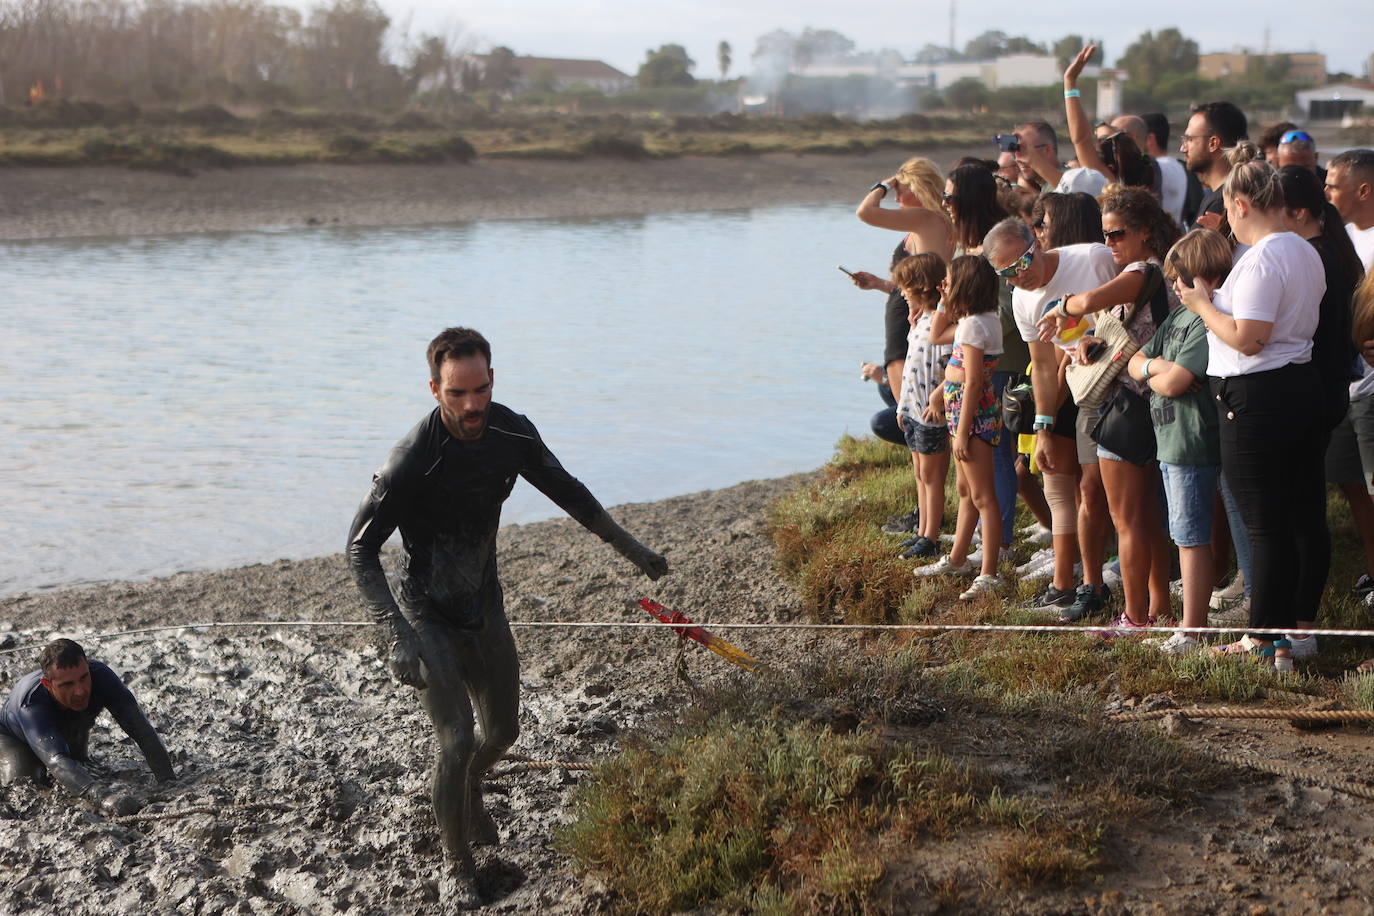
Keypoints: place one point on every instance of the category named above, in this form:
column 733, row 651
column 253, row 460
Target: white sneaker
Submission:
column 943, row 567
column 1111, row 575
column 1238, row 614
column 1039, row 561
column 1038, row 535
column 975, row 541
column 1303, row 647
column 982, row 585
column 1180, row 644
column 1234, row 591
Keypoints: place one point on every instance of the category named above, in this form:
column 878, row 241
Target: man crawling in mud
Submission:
column 443, row 486
column 46, row 724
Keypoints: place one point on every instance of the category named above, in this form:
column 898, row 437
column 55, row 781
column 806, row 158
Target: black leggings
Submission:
column 1271, row 454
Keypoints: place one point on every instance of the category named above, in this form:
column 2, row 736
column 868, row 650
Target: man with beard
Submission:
column 443, row 486
column 1213, row 129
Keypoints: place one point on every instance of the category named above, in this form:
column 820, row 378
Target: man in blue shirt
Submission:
column 46, row 723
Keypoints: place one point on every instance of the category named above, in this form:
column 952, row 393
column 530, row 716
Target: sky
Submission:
column 620, row 31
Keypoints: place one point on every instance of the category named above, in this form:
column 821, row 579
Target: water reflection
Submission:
column 203, row 401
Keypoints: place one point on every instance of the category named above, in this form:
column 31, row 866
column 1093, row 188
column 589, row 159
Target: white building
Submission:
column 1012, row 70
column 1331, row 103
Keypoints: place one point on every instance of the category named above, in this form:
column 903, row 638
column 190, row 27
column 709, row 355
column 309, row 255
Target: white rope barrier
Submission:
column 728, row 625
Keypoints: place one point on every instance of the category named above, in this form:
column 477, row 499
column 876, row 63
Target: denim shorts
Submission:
column 1190, row 490
column 928, row 440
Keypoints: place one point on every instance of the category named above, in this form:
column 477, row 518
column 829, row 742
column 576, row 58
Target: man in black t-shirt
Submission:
column 46, row 723
column 1213, row 129
column 442, row 487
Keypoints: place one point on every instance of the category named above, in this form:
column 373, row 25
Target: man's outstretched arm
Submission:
column 549, row 477
column 376, row 519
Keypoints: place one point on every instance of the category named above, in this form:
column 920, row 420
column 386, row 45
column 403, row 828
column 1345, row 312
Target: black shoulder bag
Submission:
column 1125, row 426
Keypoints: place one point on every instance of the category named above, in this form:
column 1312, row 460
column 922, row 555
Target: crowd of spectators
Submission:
column 1195, row 331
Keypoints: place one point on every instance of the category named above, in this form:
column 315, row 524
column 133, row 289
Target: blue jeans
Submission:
column 1240, row 538
column 1190, row 491
column 1004, row 464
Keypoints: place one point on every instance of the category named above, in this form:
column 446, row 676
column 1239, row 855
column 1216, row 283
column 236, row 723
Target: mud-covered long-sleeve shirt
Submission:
column 445, row 496
column 58, row 735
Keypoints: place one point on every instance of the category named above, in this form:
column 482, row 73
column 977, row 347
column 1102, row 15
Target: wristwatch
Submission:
column 882, row 185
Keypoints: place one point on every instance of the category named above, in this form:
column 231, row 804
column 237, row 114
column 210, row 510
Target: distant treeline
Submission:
column 174, row 52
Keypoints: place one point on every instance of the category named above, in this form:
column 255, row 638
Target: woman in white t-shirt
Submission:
column 974, row 417
column 1260, row 324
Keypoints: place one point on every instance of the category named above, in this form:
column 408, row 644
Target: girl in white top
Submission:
column 920, row 408
column 1260, row 324
column 974, row 416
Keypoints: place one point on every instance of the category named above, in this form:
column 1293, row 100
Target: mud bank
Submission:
column 91, row 202
column 303, row 767
column 314, row 763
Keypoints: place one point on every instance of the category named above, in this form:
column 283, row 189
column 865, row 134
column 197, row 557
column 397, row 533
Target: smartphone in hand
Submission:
column 850, row 273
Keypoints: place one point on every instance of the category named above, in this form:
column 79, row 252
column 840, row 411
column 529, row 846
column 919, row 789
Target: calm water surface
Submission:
column 197, row 402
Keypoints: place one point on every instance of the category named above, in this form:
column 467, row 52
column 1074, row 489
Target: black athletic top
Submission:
column 895, row 325
column 57, row 735
column 445, row 496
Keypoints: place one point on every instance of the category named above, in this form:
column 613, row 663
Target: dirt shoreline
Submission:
column 88, row 202
column 311, row 763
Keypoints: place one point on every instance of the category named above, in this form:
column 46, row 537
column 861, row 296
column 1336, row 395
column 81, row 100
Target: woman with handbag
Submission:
column 1260, row 325
column 1138, row 232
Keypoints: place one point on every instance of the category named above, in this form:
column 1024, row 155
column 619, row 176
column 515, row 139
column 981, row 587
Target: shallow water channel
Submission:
column 203, row 401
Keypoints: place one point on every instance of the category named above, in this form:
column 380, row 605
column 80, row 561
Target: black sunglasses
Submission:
column 1112, row 235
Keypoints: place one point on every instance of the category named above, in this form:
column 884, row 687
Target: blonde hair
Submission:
column 1362, row 324
column 1253, row 178
column 1201, row 253
column 924, row 180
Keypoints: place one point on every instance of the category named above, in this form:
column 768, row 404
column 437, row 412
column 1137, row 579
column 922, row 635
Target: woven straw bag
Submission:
column 1091, row 384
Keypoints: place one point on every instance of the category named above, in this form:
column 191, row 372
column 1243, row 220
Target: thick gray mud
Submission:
column 312, row 764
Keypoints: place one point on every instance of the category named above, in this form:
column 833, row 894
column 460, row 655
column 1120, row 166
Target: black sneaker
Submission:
column 1087, row 600
column 1363, row 585
column 923, row 547
column 902, row 524
column 1052, row 600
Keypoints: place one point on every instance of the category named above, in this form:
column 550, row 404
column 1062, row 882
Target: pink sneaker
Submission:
column 1121, row 625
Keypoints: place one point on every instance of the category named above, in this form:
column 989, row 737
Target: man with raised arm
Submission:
column 442, row 486
column 46, row 724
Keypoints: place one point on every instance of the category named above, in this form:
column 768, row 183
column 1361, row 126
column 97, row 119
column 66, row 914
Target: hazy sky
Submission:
column 619, row 31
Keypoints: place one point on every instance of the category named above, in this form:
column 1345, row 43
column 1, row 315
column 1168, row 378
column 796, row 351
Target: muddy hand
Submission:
column 405, row 661
column 651, row 564
column 112, row 802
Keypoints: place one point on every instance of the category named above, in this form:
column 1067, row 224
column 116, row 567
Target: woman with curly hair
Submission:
column 1139, row 233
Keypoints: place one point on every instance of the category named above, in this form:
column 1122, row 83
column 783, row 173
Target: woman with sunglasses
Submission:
column 1139, row 233
column 1116, row 157
column 974, row 205
column 919, row 216
column 1260, row 324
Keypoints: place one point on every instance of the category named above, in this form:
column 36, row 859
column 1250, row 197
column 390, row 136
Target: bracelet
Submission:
column 1042, row 421
column 1145, row 369
column 1063, row 307
column 1072, row 93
